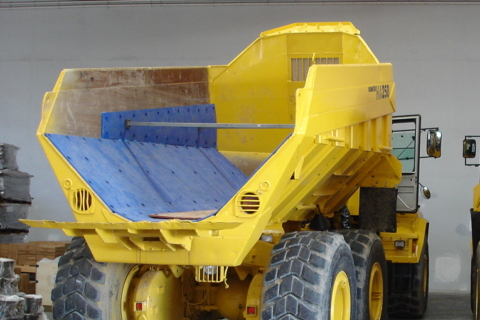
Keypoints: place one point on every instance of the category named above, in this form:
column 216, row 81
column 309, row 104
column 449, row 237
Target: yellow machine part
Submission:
column 321, row 77
column 151, row 294
column 476, row 198
column 410, row 237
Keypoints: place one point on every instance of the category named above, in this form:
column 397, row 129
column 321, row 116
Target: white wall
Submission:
column 435, row 50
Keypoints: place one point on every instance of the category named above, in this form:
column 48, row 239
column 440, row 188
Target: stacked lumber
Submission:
column 27, row 255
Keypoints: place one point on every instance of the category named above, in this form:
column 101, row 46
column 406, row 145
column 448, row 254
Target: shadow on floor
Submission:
column 448, row 306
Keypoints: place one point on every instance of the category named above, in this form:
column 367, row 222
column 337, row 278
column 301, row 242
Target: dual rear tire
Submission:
column 475, row 282
column 324, row 275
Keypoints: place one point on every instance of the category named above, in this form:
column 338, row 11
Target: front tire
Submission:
column 408, row 288
column 86, row 289
column 371, row 271
column 475, row 290
column 311, row 276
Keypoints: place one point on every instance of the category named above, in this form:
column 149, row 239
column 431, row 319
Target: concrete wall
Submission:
column 434, row 49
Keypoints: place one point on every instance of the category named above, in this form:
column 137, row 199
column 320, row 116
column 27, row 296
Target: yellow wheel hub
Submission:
column 341, row 298
column 127, row 293
column 375, row 301
column 151, row 293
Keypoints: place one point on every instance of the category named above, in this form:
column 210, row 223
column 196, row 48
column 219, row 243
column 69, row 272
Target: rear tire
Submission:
column 408, row 288
column 311, row 276
column 86, row 289
column 371, row 271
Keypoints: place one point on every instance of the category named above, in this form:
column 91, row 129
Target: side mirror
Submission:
column 434, row 143
column 469, row 148
column 425, row 191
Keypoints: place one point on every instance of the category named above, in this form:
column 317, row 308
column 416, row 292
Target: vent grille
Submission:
column 248, row 203
column 213, row 274
column 300, row 66
column 82, row 200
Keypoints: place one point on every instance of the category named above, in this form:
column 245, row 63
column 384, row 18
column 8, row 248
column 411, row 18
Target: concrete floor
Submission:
column 448, row 306
column 441, row 306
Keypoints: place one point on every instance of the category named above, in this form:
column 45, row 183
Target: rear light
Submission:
column 138, row 306
column 251, row 311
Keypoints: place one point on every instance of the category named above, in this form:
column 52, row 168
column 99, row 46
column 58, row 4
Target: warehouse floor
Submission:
column 448, row 306
column 441, row 306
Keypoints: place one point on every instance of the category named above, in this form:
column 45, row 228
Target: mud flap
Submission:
column 378, row 209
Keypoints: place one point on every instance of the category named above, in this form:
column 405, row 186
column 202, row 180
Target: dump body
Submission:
column 202, row 197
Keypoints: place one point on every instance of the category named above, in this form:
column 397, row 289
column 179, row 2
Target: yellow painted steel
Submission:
column 341, row 298
column 476, row 198
column 151, row 293
column 375, row 299
column 254, row 298
column 321, row 77
column 411, row 229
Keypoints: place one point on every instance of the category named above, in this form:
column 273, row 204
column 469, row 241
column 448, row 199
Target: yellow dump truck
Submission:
column 472, row 159
column 262, row 189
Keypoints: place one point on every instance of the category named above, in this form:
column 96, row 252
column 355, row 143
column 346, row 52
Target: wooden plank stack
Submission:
column 27, row 256
column 15, row 196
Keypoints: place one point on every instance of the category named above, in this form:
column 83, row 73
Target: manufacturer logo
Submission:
column 382, row 91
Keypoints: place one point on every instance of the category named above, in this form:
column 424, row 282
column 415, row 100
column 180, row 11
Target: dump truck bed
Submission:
column 214, row 193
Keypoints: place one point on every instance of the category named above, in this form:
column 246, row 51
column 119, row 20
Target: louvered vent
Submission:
column 82, row 200
column 300, row 66
column 248, row 203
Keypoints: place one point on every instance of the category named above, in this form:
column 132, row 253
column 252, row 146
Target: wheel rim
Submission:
column 376, row 292
column 425, row 276
column 341, row 298
column 127, row 293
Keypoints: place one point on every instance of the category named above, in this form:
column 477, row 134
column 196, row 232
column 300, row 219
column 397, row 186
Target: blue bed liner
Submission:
column 138, row 178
